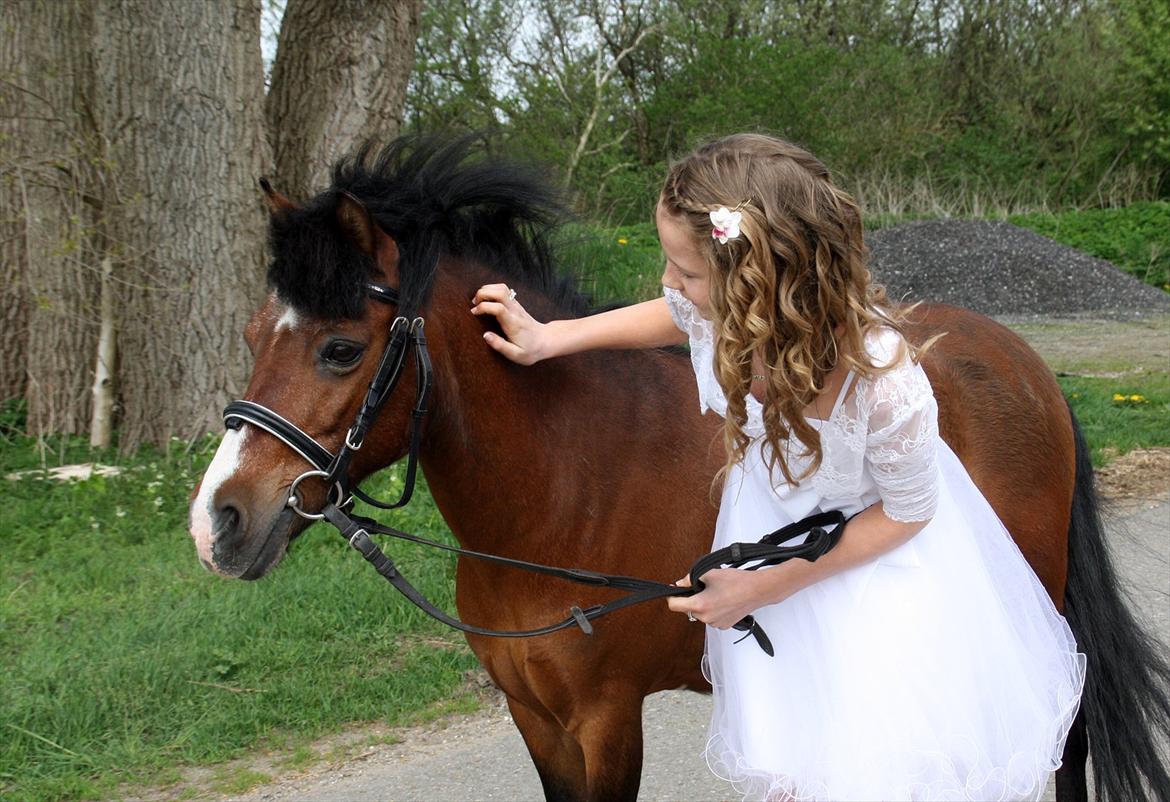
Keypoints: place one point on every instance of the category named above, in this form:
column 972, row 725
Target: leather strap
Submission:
column 356, row 530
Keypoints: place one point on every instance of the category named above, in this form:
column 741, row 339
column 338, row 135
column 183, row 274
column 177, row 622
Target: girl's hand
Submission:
column 526, row 339
column 727, row 596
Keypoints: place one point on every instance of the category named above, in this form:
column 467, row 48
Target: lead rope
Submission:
column 356, row 531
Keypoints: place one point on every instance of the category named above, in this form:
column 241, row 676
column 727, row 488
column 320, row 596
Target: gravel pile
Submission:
column 1003, row 270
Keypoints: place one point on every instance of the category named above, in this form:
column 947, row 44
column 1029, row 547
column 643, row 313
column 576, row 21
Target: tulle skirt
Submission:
column 940, row 671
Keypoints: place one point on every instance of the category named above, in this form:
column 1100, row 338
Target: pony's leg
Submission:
column 610, row 735
column 554, row 751
column 1071, row 783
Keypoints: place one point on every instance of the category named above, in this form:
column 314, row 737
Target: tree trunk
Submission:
column 180, row 89
column 46, row 172
column 340, row 78
column 15, row 104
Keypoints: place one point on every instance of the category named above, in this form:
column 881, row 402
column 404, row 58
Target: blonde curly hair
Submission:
column 795, row 274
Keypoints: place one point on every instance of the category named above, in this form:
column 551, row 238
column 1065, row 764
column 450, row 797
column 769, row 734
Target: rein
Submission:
column 406, row 334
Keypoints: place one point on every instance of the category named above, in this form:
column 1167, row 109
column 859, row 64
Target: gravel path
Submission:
column 1000, row 269
column 483, row 757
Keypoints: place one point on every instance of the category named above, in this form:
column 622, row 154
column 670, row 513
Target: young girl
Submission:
column 920, row 659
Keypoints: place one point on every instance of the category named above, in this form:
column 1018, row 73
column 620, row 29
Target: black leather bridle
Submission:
column 407, row 334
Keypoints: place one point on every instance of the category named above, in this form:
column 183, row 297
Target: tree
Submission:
column 49, row 333
column 340, row 77
column 179, row 113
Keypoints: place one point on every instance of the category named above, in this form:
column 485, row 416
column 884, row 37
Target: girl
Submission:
column 920, row 659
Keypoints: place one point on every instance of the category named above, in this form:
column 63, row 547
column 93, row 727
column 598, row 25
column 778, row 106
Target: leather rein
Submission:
column 823, row 529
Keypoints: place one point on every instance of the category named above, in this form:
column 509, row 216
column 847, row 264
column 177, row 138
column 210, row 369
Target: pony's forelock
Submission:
column 433, row 196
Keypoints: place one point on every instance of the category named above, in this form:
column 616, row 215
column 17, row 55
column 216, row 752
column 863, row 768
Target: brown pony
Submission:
column 601, row 460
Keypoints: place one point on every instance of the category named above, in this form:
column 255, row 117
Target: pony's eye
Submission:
column 342, row 353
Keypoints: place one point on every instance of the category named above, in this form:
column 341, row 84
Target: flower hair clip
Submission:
column 725, row 223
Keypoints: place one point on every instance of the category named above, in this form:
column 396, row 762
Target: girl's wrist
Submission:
column 771, row 586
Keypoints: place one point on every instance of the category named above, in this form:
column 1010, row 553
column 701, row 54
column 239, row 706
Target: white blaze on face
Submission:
column 227, row 459
column 288, row 320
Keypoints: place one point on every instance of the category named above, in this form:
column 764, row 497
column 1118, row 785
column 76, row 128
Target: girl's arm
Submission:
column 730, row 594
column 527, row 341
column 901, row 455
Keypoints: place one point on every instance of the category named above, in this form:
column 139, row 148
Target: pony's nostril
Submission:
column 227, row 531
column 227, row 521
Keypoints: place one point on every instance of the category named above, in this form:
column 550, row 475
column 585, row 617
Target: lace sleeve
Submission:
column 900, row 446
column 684, row 314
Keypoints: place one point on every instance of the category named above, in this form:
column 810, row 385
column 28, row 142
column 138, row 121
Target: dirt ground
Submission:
column 1108, row 349
column 1141, row 474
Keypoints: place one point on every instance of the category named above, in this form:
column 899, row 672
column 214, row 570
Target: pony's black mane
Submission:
column 433, row 197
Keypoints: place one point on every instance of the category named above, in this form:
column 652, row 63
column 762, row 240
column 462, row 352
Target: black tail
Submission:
column 1126, row 700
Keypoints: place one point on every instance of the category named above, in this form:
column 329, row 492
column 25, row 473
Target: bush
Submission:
column 1135, row 238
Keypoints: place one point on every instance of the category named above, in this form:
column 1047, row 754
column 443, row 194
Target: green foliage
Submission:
column 124, row 657
column 1136, row 238
column 1143, row 29
column 1020, row 104
column 13, row 418
column 617, row 264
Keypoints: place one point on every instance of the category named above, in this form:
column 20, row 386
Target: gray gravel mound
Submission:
column 1000, row 269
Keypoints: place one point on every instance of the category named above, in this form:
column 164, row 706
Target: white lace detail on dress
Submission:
column 889, row 423
column 902, row 432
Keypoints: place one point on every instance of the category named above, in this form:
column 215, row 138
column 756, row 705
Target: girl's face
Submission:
column 686, row 270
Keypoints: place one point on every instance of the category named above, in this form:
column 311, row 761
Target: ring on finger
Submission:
column 511, row 295
column 691, row 617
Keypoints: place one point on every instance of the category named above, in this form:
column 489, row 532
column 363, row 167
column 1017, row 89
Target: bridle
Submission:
column 334, row 468
column 406, row 334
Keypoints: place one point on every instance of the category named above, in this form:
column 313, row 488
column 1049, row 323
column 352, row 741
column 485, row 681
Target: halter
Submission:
column 334, row 470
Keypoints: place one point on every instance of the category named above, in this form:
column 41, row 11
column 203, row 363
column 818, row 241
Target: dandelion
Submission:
column 623, row 241
column 1138, row 399
column 1118, row 397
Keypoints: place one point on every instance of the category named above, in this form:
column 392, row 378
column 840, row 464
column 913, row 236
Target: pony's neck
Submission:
column 512, row 451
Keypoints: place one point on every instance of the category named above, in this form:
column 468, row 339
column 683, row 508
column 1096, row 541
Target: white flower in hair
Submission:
column 725, row 224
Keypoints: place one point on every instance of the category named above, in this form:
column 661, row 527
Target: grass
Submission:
column 1114, row 426
column 124, row 658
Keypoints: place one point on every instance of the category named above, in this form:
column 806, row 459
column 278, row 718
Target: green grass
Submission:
column 124, row 658
column 1114, row 427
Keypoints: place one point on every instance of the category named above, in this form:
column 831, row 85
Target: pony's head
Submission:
column 395, row 219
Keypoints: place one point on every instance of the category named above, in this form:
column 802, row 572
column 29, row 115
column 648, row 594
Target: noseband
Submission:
column 406, row 334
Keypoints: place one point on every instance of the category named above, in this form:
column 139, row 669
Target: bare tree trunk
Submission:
column 340, row 77
column 15, row 103
column 180, row 112
column 48, row 176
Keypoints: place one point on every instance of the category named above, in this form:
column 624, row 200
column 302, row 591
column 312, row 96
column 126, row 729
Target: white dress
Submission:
column 940, row 670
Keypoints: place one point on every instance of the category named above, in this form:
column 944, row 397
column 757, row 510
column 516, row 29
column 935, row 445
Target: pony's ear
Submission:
column 356, row 223
column 277, row 202
column 360, row 229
